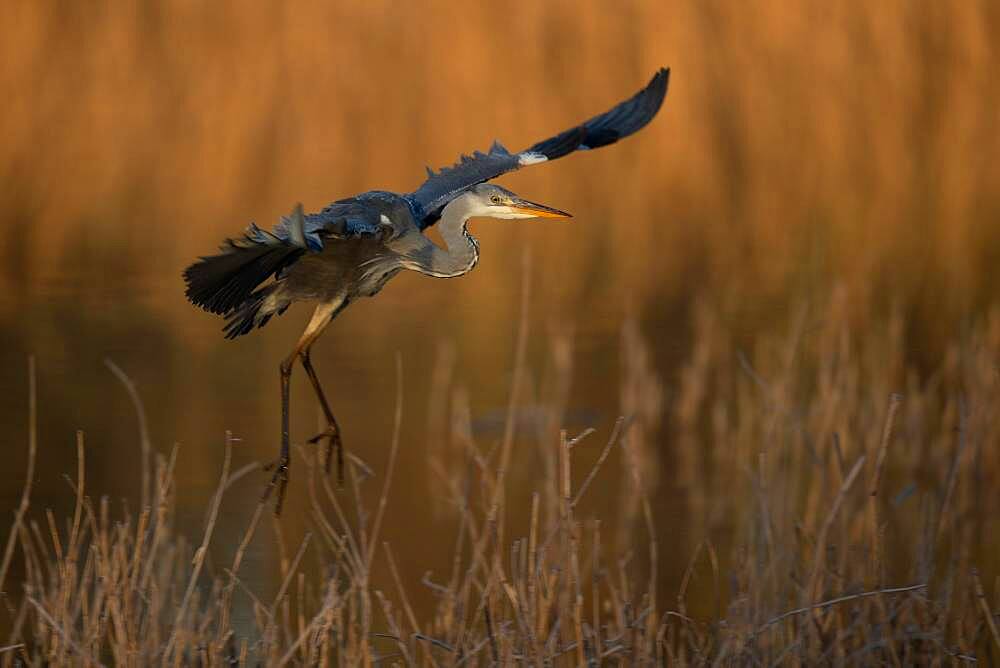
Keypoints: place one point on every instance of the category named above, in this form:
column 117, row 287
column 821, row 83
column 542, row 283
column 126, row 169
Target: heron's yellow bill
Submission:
column 537, row 210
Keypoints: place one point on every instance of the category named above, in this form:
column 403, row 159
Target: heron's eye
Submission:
column 495, row 199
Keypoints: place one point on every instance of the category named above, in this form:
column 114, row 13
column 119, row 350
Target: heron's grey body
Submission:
column 361, row 266
column 354, row 246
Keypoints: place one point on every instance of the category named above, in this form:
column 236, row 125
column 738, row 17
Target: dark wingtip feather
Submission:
column 620, row 121
column 221, row 283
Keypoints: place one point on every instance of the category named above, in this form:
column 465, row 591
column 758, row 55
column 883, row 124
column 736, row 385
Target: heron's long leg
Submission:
column 280, row 477
column 333, row 429
column 320, row 319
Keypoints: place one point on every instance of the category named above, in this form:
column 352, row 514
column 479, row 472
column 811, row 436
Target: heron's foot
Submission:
column 279, row 481
column 333, row 442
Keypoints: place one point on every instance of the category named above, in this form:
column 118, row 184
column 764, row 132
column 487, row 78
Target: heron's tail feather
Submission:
column 221, row 283
column 256, row 311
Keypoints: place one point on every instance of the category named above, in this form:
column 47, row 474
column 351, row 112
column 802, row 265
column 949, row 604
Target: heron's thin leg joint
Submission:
column 332, row 432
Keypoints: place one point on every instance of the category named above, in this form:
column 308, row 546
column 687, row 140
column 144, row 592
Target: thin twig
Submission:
column 434, row 641
column 834, row 601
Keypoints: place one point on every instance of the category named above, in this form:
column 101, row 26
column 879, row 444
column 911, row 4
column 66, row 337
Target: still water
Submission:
column 456, row 349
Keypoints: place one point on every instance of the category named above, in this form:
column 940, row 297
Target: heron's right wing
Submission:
column 622, row 120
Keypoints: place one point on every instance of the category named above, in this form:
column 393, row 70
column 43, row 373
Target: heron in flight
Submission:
column 353, row 246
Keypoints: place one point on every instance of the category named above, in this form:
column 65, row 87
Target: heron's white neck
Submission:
column 463, row 250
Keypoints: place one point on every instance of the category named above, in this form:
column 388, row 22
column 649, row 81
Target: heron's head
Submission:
column 492, row 201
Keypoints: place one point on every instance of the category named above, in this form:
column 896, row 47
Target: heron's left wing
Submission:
column 622, row 120
column 229, row 280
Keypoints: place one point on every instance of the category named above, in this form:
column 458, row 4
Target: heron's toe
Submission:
column 331, row 432
column 333, row 444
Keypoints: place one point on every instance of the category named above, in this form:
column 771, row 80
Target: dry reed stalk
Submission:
column 873, row 512
column 572, row 529
column 895, row 401
column 653, row 545
column 954, row 469
column 621, row 426
column 812, row 590
column 22, row 507
column 391, row 467
column 401, row 591
column 290, row 572
column 199, row 557
column 984, row 605
column 60, row 631
column 287, row 656
column 353, row 549
column 520, row 352
column 227, row 594
column 394, row 629
column 595, row 583
column 140, row 412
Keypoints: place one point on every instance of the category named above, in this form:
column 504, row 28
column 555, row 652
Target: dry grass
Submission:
column 830, row 557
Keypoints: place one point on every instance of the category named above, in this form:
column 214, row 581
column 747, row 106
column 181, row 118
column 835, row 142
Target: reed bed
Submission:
column 838, row 501
column 808, row 142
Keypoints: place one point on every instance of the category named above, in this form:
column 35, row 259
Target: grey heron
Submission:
column 353, row 246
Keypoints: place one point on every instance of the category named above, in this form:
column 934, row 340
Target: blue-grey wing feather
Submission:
column 621, row 121
column 443, row 186
column 345, row 219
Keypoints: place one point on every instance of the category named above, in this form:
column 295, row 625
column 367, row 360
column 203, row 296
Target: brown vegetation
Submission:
column 843, row 525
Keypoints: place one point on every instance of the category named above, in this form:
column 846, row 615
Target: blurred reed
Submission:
column 800, row 143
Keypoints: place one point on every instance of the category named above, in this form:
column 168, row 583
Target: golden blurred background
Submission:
column 802, row 146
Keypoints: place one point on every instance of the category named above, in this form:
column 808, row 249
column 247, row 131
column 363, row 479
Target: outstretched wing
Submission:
column 607, row 128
